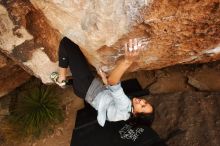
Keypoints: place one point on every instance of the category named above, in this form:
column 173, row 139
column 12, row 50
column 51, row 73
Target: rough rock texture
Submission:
column 188, row 118
column 179, row 78
column 3, row 60
column 206, row 79
column 170, row 80
column 174, row 32
column 4, row 108
column 27, row 38
column 11, row 75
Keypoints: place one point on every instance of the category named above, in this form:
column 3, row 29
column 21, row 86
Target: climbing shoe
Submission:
column 54, row 77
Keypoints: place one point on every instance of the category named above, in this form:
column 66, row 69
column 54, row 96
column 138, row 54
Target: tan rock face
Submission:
column 177, row 32
column 27, row 38
column 174, row 32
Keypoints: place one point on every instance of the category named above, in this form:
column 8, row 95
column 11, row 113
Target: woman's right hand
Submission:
column 132, row 50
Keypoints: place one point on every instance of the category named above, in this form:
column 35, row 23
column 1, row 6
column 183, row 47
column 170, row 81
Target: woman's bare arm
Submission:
column 131, row 55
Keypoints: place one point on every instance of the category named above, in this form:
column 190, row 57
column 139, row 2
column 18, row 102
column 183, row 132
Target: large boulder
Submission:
column 27, row 39
column 173, row 32
column 188, row 118
column 205, row 79
column 169, row 80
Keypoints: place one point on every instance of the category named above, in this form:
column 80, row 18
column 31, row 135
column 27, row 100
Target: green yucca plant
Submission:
column 37, row 111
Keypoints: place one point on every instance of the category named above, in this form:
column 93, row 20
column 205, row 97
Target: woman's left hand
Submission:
column 103, row 76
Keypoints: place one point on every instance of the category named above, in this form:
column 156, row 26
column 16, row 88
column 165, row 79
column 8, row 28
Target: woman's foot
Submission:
column 55, row 78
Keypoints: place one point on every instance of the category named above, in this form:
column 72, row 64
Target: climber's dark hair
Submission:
column 142, row 118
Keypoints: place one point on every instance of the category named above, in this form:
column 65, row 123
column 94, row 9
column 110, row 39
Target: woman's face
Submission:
column 141, row 106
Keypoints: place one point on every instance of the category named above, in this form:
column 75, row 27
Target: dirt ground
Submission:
column 63, row 132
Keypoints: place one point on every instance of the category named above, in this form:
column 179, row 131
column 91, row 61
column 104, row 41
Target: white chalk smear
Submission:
column 213, row 51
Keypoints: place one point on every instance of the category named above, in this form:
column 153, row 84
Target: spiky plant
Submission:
column 37, row 111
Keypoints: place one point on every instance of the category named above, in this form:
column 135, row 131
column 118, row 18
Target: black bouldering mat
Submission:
column 88, row 132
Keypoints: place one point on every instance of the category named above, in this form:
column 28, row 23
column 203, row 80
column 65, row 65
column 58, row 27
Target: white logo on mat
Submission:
column 127, row 132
